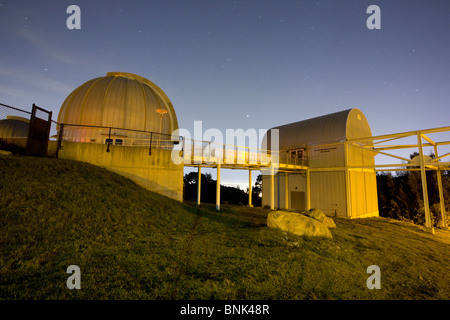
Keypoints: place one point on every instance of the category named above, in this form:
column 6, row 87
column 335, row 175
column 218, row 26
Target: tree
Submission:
column 228, row 194
column 401, row 196
column 256, row 190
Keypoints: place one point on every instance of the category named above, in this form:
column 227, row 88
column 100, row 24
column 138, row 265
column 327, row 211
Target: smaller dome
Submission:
column 14, row 127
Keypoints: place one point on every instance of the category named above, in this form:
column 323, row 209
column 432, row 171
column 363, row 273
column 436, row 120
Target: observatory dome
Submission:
column 14, row 127
column 118, row 100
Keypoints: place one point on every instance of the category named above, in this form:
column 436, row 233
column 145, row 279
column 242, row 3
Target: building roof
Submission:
column 120, row 100
column 330, row 128
column 14, row 127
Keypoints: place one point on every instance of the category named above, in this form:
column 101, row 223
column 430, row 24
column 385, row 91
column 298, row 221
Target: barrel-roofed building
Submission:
column 338, row 178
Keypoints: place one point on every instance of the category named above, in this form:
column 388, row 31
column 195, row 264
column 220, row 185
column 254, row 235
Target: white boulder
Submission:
column 298, row 224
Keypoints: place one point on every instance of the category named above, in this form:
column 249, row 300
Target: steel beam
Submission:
column 428, row 225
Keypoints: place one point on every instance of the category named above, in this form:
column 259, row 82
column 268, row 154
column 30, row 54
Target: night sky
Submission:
column 239, row 64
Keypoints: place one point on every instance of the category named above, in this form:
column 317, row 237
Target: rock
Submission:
column 298, row 224
column 5, row 153
column 320, row 216
column 329, row 223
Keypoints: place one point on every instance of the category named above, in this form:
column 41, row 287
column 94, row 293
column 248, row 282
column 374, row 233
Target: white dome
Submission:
column 119, row 100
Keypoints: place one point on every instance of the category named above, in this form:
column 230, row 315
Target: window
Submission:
column 119, row 142
column 109, row 141
column 297, row 156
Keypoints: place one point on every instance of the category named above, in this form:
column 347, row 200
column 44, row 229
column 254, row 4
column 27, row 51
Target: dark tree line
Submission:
column 400, row 196
column 228, row 195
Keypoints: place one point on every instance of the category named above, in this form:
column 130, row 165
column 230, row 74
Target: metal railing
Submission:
column 207, row 152
column 115, row 136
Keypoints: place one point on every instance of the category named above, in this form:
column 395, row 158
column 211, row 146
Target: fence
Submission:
column 193, row 151
column 14, row 123
column 115, row 136
column 15, row 132
column 13, row 113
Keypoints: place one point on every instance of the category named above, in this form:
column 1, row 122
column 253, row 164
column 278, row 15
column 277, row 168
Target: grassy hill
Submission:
column 134, row 244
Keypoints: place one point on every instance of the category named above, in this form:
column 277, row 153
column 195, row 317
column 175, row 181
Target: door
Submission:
column 298, row 200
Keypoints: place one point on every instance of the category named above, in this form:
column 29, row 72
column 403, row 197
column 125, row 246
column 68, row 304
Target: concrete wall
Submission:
column 22, row 143
column 154, row 172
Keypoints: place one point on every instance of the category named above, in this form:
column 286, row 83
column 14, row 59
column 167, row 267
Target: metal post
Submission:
column 160, row 130
column 151, row 141
column 60, row 138
column 286, row 191
column 224, row 155
column 272, row 188
column 308, row 189
column 428, row 226
column 199, row 185
column 218, row 187
column 250, row 188
column 441, row 192
column 183, row 146
column 109, row 140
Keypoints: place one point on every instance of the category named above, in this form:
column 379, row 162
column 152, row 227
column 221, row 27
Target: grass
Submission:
column 134, row 244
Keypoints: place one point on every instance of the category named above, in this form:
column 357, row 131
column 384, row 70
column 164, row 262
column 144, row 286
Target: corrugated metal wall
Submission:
column 328, row 192
column 327, row 156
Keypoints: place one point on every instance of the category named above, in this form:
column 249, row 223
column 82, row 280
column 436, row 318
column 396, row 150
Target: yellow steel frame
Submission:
column 374, row 144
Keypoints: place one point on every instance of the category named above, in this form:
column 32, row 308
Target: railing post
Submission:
column 182, row 146
column 60, row 137
column 109, row 140
column 151, row 141
column 224, row 154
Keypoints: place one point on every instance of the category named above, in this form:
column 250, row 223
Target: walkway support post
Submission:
column 308, row 189
column 250, row 188
column 428, row 226
column 441, row 192
column 218, row 188
column 286, row 190
column 199, row 185
column 272, row 188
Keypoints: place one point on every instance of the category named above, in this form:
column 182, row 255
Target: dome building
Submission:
column 135, row 118
column 14, row 127
column 118, row 100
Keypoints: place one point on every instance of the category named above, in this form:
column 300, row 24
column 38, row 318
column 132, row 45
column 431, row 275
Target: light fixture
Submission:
column 161, row 114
